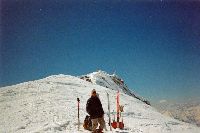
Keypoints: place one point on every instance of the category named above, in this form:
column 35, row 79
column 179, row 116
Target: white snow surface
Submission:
column 103, row 79
column 50, row 105
column 113, row 82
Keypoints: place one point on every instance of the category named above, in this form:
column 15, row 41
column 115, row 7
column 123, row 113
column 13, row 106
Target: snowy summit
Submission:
column 50, row 105
column 113, row 82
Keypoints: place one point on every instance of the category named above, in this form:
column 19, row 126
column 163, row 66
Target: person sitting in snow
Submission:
column 96, row 112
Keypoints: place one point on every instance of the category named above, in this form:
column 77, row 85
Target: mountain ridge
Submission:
column 112, row 81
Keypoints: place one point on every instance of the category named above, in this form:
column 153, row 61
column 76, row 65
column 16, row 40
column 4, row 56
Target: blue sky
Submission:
column 153, row 46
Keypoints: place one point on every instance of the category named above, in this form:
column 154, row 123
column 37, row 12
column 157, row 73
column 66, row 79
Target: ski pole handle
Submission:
column 78, row 100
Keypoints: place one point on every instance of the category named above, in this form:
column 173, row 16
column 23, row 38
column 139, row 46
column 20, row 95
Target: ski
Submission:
column 118, row 124
column 109, row 112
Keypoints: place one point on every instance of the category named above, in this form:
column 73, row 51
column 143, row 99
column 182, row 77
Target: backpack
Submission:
column 87, row 123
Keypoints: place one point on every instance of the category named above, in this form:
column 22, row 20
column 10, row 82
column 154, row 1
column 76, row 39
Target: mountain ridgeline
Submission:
column 113, row 82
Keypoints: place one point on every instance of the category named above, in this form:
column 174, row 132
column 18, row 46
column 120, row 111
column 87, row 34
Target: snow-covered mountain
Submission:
column 113, row 82
column 49, row 105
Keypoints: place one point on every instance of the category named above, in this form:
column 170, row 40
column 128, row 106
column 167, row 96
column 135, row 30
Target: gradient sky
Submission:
column 153, row 46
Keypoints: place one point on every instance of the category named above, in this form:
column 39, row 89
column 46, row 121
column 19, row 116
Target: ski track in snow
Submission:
column 49, row 105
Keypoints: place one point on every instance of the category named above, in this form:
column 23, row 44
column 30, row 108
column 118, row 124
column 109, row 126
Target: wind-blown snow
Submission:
column 49, row 105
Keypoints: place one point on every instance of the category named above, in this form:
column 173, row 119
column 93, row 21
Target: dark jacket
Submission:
column 94, row 107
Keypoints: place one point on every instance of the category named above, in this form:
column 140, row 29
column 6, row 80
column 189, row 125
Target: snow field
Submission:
column 49, row 105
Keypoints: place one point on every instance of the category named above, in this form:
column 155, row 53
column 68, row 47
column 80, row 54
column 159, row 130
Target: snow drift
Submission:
column 49, row 105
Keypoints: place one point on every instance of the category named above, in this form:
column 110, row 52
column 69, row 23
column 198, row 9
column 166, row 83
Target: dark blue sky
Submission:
column 153, row 46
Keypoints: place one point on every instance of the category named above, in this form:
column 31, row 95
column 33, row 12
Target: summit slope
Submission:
column 49, row 105
column 111, row 81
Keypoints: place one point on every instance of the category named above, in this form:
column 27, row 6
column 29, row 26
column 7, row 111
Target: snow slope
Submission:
column 113, row 82
column 49, row 105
